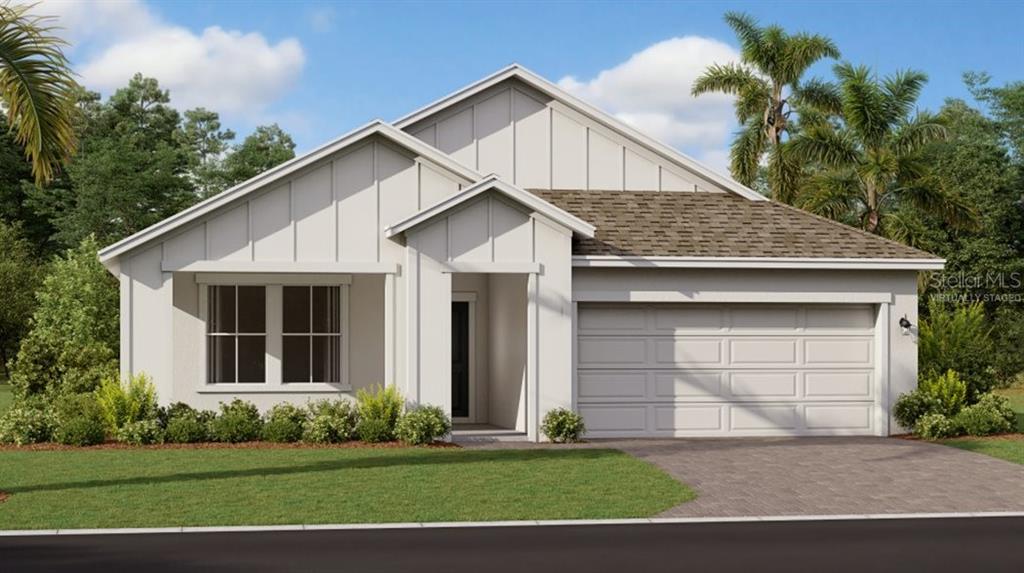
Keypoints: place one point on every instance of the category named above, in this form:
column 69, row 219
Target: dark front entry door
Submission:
column 460, row 359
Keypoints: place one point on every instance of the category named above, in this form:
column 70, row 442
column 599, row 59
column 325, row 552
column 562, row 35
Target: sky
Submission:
column 320, row 69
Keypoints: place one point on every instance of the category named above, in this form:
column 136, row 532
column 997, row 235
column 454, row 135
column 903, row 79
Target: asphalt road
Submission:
column 969, row 544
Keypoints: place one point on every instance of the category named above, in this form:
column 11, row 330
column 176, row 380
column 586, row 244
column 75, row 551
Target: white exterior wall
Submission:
column 894, row 294
column 333, row 212
column 535, row 142
column 491, row 234
column 507, row 341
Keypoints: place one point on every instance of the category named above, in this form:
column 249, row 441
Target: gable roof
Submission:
column 493, row 182
column 644, row 224
column 282, row 171
column 544, row 86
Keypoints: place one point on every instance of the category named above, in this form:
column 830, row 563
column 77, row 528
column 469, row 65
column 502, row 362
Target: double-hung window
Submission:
column 311, row 334
column 236, row 334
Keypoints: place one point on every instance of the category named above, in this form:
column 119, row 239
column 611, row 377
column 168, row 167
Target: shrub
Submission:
column 991, row 415
column 284, row 423
column 238, row 421
column 911, row 406
column 423, row 425
column 27, row 424
column 563, row 426
column 378, row 414
column 188, row 426
column 957, row 339
column 72, row 343
column 947, row 390
column 133, row 400
column 20, row 275
column 79, row 421
column 936, row 427
column 141, row 433
column 178, row 409
column 330, row 422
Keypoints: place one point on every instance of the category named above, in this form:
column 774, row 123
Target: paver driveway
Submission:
column 788, row 476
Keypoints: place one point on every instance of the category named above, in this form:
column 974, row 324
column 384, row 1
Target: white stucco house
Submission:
column 510, row 249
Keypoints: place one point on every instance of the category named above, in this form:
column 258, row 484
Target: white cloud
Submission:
column 651, row 91
column 232, row 72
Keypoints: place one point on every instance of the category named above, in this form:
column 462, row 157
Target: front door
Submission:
column 460, row 359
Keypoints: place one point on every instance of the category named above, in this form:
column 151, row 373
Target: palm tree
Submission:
column 768, row 89
column 36, row 89
column 869, row 168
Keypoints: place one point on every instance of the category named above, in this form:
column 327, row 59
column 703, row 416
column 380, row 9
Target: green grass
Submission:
column 5, row 397
column 171, row 487
column 1009, row 448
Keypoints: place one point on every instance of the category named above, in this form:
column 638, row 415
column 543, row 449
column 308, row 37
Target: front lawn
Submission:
column 190, row 487
column 1010, row 447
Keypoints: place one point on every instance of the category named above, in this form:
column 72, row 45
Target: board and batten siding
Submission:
column 535, row 142
column 335, row 210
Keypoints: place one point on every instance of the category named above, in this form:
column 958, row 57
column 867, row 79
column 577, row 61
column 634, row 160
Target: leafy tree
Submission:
column 267, row 147
column 768, row 87
column 19, row 277
column 873, row 168
column 37, row 89
column 1006, row 104
column 207, row 144
column 16, row 184
column 72, row 343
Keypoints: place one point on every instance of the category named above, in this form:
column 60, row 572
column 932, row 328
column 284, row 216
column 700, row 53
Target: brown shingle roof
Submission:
column 651, row 223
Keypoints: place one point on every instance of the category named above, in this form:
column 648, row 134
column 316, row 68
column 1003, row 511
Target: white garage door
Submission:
column 735, row 370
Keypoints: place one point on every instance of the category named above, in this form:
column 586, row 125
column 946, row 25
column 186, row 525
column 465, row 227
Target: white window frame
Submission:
column 274, row 335
column 235, row 334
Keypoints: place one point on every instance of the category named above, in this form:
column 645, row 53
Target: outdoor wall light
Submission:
column 905, row 324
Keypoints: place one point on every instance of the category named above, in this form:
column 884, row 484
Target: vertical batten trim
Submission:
column 586, row 157
column 376, row 187
column 337, row 215
column 292, row 223
column 490, row 225
column 551, row 148
column 512, row 123
column 250, row 234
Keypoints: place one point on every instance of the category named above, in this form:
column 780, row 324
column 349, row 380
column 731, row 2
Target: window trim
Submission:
column 274, row 336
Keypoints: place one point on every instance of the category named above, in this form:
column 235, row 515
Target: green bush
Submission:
column 141, row 433
column 330, row 422
column 238, row 421
column 20, row 275
column 563, row 426
column 165, row 413
column 947, row 390
column 423, row 425
column 284, row 423
column 991, row 415
column 936, row 427
column 79, row 421
column 133, row 400
column 27, row 424
column 188, row 426
column 911, row 406
column 959, row 340
column 72, row 343
column 378, row 413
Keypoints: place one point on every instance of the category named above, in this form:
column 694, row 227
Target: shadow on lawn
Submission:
column 368, row 462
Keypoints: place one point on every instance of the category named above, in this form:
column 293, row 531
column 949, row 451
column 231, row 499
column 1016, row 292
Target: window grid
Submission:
column 235, row 334
column 334, row 304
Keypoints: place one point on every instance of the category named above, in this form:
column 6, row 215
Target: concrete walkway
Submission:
column 827, row 476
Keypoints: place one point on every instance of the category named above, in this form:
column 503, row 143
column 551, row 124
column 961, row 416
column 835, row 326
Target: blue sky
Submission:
column 322, row 68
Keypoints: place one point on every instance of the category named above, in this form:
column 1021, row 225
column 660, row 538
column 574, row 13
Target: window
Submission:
column 236, row 334
column 311, row 334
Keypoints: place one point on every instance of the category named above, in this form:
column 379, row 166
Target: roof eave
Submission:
column 810, row 263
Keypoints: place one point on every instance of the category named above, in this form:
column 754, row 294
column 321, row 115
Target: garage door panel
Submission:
column 763, row 384
column 838, row 351
column 716, row 369
column 839, row 384
column 684, row 352
column 746, row 417
column 598, row 320
column 676, row 385
column 853, row 417
column 608, row 351
column 615, row 384
column 763, row 351
column 689, row 418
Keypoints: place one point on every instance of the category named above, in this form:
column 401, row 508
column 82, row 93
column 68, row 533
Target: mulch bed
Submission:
column 51, row 447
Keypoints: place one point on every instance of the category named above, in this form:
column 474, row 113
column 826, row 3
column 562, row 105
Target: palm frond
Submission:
column 752, row 101
column 865, row 109
column 903, row 89
column 921, row 130
column 835, row 194
column 37, row 87
column 821, row 95
column 748, row 33
column 802, row 50
column 726, row 78
column 826, row 145
column 746, row 151
column 928, row 196
column 784, row 173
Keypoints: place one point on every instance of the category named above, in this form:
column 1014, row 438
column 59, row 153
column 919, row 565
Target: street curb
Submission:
column 525, row 523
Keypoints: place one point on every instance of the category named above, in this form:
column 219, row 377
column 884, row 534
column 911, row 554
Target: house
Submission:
column 510, row 249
